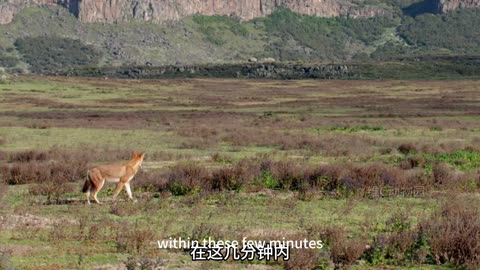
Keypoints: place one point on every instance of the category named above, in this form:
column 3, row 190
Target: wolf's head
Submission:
column 138, row 158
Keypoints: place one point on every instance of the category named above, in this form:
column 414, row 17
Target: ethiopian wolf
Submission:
column 117, row 173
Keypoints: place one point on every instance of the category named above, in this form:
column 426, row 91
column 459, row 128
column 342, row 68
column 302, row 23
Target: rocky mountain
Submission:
column 45, row 36
column 109, row 11
column 160, row 10
column 90, row 11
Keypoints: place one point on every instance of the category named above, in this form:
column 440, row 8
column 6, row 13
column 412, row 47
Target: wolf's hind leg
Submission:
column 87, row 194
column 97, row 189
column 87, row 187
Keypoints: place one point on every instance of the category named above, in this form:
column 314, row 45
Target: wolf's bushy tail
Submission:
column 88, row 183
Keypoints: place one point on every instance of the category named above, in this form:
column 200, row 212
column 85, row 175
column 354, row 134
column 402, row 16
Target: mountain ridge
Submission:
column 49, row 38
column 158, row 11
column 109, row 11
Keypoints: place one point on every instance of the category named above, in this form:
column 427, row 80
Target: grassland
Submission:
column 227, row 159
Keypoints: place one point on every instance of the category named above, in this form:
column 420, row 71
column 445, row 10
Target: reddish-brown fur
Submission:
column 121, row 173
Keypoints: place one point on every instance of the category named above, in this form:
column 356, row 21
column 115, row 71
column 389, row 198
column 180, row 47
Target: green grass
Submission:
column 463, row 160
column 21, row 138
column 356, row 128
column 235, row 215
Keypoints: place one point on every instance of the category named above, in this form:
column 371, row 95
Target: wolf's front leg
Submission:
column 118, row 189
column 129, row 192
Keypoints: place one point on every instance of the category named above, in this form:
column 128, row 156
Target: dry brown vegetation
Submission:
column 454, row 234
column 49, row 172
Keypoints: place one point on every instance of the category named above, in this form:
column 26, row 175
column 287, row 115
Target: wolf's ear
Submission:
column 142, row 154
column 134, row 154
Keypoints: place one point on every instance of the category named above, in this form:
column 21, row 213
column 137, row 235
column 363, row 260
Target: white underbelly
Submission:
column 114, row 180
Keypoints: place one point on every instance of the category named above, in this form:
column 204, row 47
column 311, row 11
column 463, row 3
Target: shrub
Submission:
column 458, row 30
column 23, row 173
column 49, row 172
column 326, row 177
column 49, row 53
column 328, row 36
column 151, row 181
column 186, row 178
column 441, row 174
column 217, row 157
column 226, row 179
column 205, row 231
column 141, row 262
column 7, row 61
column 53, row 188
column 178, row 189
column 269, row 181
column 40, row 172
column 412, row 162
column 133, row 238
column 454, row 234
column 400, row 243
column 407, row 148
column 288, row 175
column 28, row 156
column 37, row 166
column 343, row 251
column 303, row 259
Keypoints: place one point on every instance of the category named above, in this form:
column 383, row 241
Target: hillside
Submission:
column 47, row 38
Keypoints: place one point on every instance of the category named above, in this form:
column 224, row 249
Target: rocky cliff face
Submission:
column 7, row 12
column 161, row 10
column 98, row 10
column 168, row 10
column 444, row 6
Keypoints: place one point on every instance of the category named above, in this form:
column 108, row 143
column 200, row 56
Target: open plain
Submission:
column 385, row 173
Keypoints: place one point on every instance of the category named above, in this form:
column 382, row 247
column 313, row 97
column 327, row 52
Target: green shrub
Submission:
column 178, row 189
column 457, row 31
column 188, row 177
column 328, row 37
column 269, row 181
column 49, row 54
